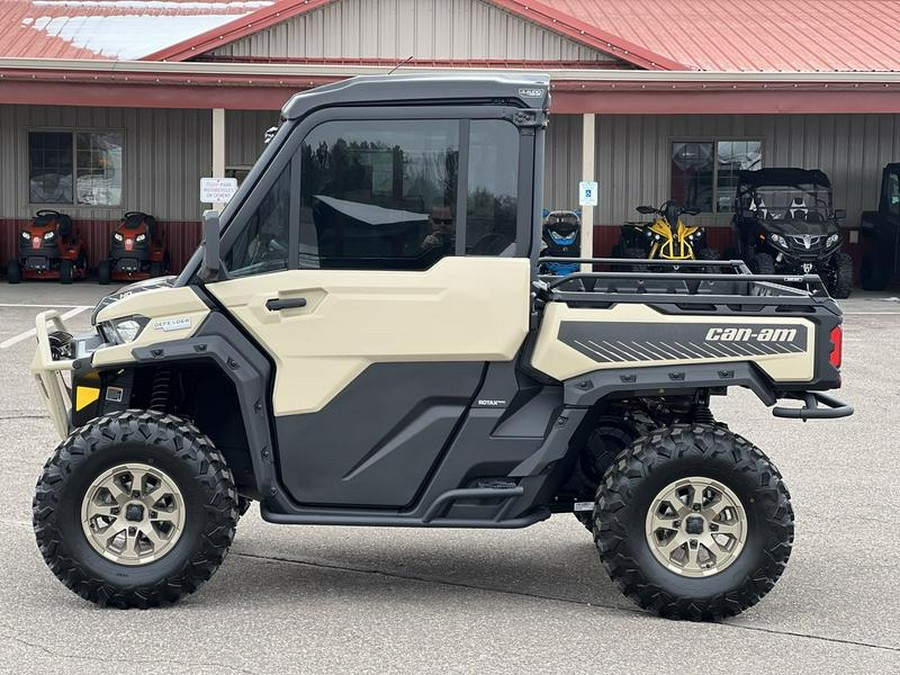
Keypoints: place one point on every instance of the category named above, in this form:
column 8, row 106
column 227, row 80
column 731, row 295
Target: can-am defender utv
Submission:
column 666, row 237
column 784, row 221
column 366, row 381
column 49, row 248
column 561, row 234
column 135, row 251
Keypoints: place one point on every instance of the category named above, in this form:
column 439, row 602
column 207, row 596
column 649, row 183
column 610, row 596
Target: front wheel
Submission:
column 841, row 276
column 763, row 263
column 14, row 272
column 66, row 271
column 875, row 273
column 104, row 273
column 694, row 522
column 136, row 509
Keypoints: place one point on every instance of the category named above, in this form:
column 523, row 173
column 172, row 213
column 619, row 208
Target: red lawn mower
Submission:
column 135, row 252
column 49, row 248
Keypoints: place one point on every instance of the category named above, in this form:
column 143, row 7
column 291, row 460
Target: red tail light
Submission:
column 837, row 346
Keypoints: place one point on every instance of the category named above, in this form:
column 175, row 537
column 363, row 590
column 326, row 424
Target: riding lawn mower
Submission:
column 49, row 248
column 135, row 252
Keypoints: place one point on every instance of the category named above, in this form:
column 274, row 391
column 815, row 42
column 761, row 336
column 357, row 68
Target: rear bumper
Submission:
column 53, row 377
column 816, row 405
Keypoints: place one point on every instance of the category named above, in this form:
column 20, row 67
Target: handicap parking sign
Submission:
column 587, row 193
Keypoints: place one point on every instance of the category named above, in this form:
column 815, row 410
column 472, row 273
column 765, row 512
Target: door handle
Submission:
column 276, row 304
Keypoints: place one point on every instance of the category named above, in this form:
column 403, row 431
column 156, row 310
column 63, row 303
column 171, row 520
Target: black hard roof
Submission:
column 783, row 176
column 532, row 91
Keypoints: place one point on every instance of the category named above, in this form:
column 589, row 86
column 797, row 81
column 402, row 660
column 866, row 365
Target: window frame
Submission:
column 715, row 140
column 289, row 151
column 73, row 131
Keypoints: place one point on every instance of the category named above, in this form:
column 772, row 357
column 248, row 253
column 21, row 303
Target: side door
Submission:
column 385, row 264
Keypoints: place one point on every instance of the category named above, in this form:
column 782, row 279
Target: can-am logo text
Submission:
column 747, row 334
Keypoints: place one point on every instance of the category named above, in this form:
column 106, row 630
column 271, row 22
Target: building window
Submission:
column 238, row 172
column 705, row 173
column 80, row 168
column 379, row 194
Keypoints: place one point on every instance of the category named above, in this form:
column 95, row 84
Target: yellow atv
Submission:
column 660, row 240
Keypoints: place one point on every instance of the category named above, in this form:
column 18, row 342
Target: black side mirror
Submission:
column 209, row 271
column 646, row 210
column 840, row 213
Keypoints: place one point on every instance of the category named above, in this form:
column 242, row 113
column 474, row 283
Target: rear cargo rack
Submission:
column 666, row 282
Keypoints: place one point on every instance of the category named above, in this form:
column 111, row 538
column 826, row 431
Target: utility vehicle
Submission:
column 880, row 234
column 785, row 221
column 136, row 251
column 321, row 356
column 561, row 234
column 49, row 248
column 667, row 237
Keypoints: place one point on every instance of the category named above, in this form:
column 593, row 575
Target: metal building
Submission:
column 148, row 97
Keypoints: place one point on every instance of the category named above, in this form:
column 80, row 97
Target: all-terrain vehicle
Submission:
column 135, row 251
column 561, row 234
column 49, row 248
column 880, row 234
column 784, row 221
column 666, row 237
column 365, row 382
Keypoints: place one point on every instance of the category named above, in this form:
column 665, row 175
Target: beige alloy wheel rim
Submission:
column 132, row 514
column 696, row 527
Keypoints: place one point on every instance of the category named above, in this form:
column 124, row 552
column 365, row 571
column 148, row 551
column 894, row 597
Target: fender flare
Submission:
column 586, row 390
column 219, row 341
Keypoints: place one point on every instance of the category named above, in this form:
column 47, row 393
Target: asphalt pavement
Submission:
column 359, row 600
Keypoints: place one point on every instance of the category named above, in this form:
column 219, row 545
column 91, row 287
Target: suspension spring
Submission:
column 162, row 387
column 703, row 415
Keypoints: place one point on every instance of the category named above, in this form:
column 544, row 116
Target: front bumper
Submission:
column 53, row 377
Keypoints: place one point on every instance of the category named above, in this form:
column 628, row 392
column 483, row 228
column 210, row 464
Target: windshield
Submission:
column 789, row 202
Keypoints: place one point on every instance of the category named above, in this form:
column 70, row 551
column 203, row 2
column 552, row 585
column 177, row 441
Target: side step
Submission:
column 332, row 516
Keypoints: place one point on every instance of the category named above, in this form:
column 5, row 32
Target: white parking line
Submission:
column 28, row 304
column 30, row 332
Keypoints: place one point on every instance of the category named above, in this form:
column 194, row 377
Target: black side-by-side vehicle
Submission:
column 785, row 221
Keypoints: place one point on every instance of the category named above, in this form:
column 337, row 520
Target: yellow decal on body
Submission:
column 84, row 396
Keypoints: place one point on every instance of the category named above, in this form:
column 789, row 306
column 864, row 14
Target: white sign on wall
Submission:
column 587, row 193
column 217, row 190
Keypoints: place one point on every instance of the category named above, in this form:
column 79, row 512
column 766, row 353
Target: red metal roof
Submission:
column 712, row 35
column 108, row 29
column 755, row 35
column 536, row 12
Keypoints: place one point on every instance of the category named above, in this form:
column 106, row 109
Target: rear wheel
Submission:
column 694, row 522
column 104, row 274
column 841, row 276
column 14, row 272
column 763, row 263
column 66, row 271
column 156, row 269
column 135, row 509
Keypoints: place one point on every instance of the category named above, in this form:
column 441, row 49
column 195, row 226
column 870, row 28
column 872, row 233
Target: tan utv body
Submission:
column 363, row 339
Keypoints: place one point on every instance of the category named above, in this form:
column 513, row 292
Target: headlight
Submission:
column 25, row 235
column 49, row 235
column 832, row 240
column 140, row 237
column 778, row 240
column 117, row 236
column 122, row 331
